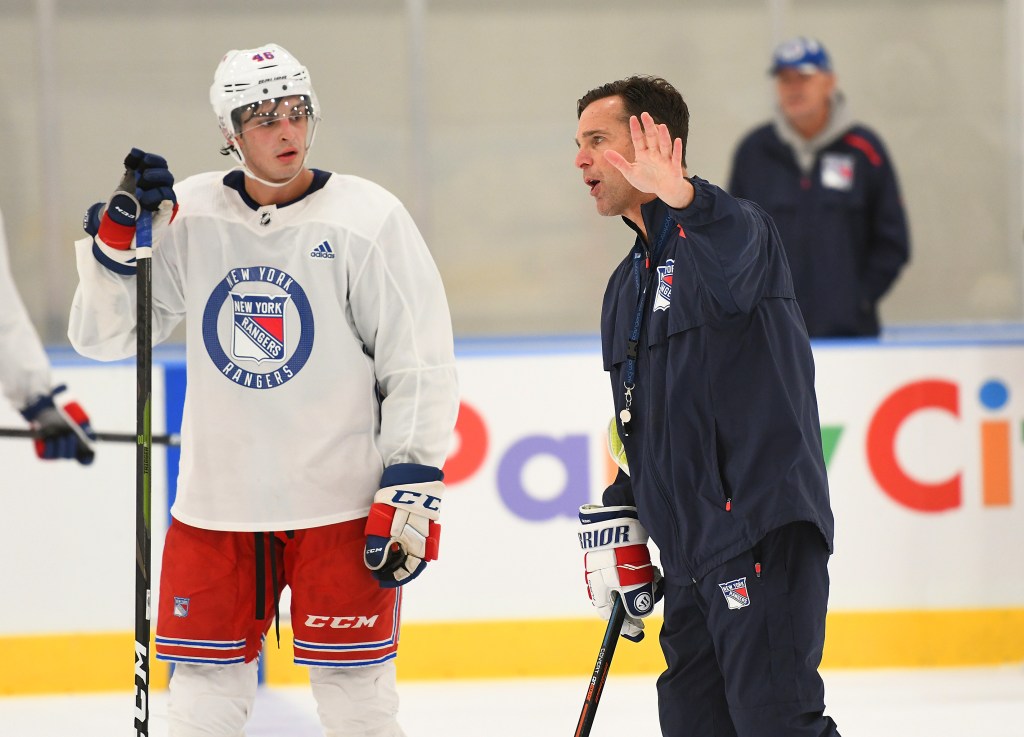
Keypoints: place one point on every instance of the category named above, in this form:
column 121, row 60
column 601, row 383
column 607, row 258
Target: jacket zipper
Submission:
column 655, row 474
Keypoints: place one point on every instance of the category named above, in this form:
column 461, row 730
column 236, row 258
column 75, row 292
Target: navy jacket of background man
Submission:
column 725, row 443
column 845, row 232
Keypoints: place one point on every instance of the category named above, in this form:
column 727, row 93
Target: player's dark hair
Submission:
column 642, row 93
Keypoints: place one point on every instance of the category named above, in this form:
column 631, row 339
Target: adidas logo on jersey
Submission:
column 324, row 250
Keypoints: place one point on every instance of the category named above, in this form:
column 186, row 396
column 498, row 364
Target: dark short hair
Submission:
column 642, row 93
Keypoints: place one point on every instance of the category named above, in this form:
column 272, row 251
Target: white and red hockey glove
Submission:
column 147, row 184
column 616, row 558
column 62, row 427
column 402, row 531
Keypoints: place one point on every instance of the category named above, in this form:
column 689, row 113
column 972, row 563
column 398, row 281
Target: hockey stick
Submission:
column 601, row 667
column 115, row 437
column 144, row 388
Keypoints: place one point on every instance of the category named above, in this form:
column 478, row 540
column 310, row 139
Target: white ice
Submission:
column 965, row 702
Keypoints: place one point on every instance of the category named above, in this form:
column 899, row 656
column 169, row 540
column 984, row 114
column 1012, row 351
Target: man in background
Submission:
column 829, row 185
column 63, row 429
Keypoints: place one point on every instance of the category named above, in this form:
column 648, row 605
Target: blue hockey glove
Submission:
column 147, row 184
column 402, row 531
column 63, row 427
column 617, row 558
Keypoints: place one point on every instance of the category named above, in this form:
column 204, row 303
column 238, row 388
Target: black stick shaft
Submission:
column 143, row 543
column 115, row 437
column 601, row 667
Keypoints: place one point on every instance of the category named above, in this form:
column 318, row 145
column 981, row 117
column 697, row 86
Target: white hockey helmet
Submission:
column 247, row 77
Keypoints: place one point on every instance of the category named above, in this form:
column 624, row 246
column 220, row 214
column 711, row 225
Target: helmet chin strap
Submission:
column 244, row 167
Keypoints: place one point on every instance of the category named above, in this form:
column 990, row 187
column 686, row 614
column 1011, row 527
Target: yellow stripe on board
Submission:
column 911, row 639
column 532, row 648
column 34, row 664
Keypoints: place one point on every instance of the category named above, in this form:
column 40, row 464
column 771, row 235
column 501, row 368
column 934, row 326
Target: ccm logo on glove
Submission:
column 405, row 496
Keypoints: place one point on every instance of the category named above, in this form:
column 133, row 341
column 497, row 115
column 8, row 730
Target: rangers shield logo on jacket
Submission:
column 663, row 297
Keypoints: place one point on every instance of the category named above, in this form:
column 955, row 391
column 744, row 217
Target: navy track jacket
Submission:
column 842, row 224
column 724, row 443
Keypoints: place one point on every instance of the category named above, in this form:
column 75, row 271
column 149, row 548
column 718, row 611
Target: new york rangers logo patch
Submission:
column 259, row 326
column 181, row 606
column 837, row 171
column 663, row 296
column 735, row 593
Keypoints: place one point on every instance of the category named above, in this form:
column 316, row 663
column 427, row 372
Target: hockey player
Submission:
column 62, row 426
column 713, row 383
column 321, row 400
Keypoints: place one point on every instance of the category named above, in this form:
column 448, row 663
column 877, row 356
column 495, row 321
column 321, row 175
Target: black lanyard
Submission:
column 633, row 346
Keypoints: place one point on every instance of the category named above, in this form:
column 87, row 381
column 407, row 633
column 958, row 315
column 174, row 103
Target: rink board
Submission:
column 924, row 447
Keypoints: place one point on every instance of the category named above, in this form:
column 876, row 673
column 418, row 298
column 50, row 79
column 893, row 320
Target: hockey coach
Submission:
column 713, row 384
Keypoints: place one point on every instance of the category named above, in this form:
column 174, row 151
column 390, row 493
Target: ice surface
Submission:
column 960, row 702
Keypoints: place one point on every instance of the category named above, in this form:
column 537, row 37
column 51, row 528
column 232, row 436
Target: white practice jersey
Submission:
column 318, row 347
column 24, row 367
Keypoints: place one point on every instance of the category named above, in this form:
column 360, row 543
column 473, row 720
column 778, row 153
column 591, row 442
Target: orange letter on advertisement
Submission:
column 995, row 463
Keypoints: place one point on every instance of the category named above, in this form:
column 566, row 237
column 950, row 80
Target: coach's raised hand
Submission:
column 147, row 184
column 657, row 166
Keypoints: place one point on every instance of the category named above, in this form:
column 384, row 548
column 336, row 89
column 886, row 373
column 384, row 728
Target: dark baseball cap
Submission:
column 806, row 55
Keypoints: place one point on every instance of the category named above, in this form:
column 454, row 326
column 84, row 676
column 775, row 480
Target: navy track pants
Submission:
column 743, row 649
